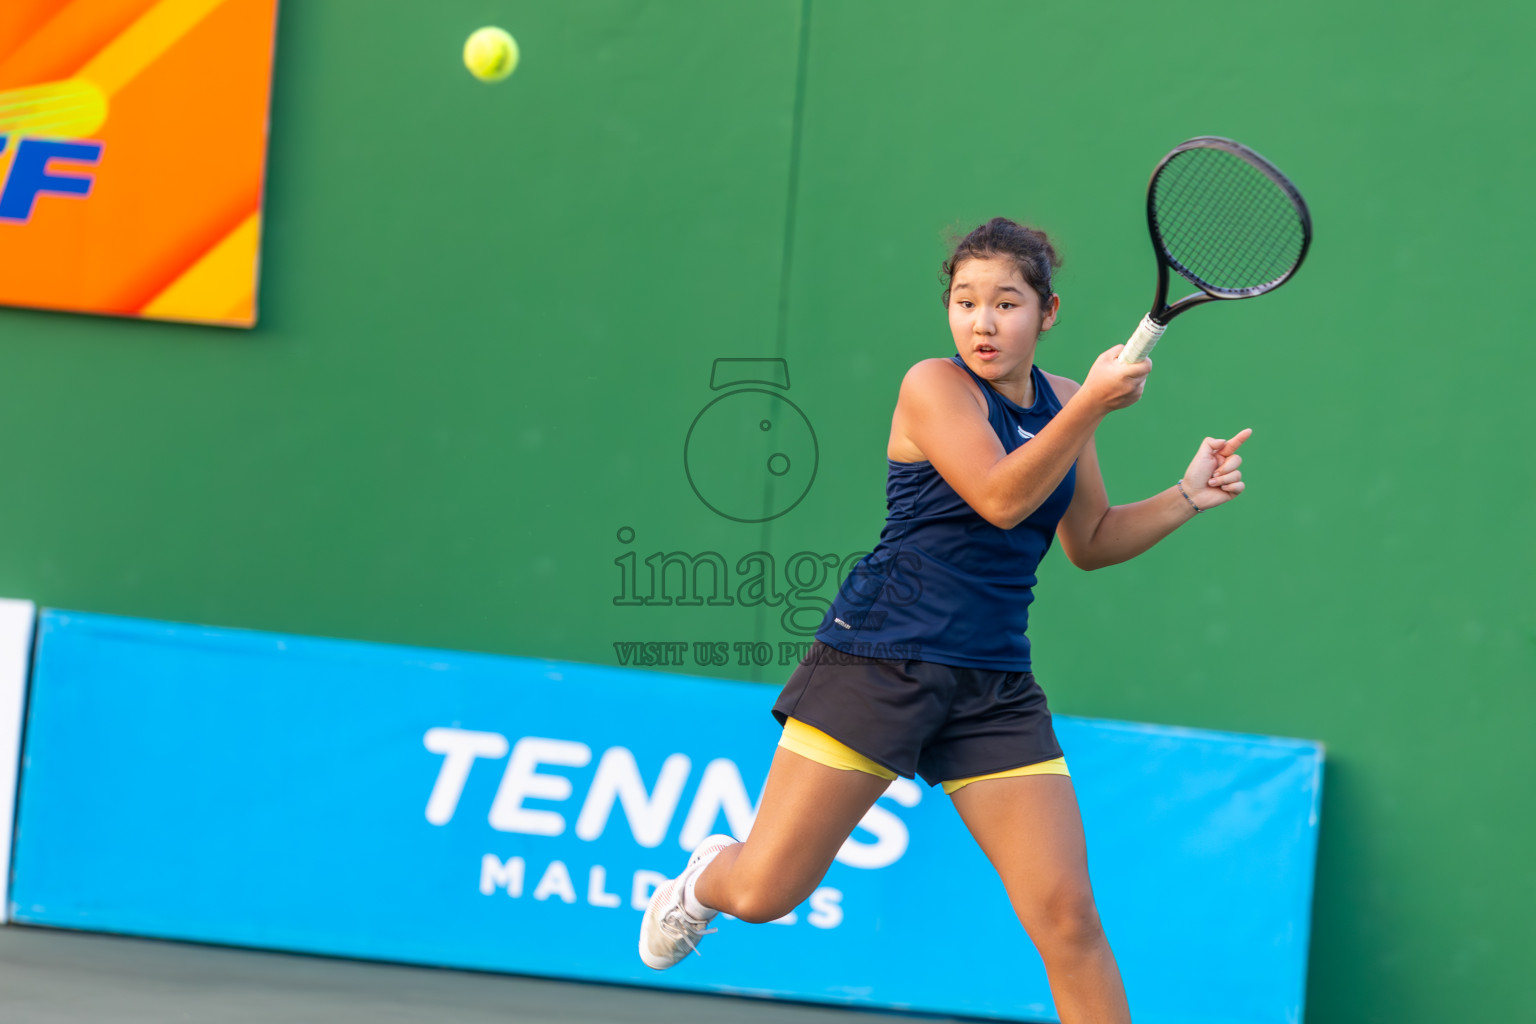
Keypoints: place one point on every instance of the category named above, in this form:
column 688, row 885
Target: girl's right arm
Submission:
column 941, row 418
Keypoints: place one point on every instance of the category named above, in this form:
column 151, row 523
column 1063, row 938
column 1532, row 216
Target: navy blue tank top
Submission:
column 944, row 585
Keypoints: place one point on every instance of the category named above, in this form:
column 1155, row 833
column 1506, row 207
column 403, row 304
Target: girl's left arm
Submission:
column 1095, row 534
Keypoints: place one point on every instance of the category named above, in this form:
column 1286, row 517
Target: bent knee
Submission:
column 757, row 898
column 757, row 906
column 1067, row 917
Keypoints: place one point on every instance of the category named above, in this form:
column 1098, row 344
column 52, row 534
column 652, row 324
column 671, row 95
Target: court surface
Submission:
column 60, row 977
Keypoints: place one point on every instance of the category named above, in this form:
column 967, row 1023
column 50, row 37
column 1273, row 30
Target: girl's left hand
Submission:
column 1214, row 477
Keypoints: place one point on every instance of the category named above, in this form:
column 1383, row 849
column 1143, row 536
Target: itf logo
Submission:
column 750, row 454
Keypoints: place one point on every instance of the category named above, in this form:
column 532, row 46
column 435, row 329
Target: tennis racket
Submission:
column 1228, row 221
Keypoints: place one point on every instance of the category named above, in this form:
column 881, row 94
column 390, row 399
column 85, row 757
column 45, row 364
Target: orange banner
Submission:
column 133, row 139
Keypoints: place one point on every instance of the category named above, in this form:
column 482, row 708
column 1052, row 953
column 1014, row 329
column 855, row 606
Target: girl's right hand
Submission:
column 1112, row 384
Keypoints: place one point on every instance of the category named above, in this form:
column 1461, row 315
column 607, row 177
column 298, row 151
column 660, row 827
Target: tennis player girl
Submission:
column 989, row 458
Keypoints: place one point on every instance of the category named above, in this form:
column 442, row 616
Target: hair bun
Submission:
column 1029, row 248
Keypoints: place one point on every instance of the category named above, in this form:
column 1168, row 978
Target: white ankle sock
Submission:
column 691, row 904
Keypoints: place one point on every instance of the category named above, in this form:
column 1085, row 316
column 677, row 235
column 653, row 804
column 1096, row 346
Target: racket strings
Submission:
column 1224, row 224
column 1240, row 254
column 1246, row 239
column 1238, row 242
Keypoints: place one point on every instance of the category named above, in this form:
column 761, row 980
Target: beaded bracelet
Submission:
column 1180, row 485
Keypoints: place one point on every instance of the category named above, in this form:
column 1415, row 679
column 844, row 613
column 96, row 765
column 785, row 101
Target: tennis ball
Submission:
column 490, row 54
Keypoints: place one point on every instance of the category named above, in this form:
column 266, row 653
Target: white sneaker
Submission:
column 668, row 933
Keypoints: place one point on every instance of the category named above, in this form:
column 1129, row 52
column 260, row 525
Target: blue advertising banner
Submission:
column 512, row 814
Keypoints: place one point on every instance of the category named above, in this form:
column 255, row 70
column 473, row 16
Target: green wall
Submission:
column 489, row 317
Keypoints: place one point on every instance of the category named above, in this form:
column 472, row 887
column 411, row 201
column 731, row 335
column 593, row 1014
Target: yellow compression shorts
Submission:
column 809, row 741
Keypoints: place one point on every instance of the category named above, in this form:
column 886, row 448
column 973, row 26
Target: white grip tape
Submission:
column 1147, row 333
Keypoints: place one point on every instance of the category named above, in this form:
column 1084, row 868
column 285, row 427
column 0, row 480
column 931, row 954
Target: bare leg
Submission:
column 1031, row 830
column 807, row 811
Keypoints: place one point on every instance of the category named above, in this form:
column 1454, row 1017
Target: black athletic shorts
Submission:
column 942, row 722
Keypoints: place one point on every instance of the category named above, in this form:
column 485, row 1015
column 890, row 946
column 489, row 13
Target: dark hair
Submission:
column 1029, row 249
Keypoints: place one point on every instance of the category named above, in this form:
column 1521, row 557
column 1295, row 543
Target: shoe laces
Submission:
column 680, row 926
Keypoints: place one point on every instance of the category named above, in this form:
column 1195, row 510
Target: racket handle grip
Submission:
column 1147, row 333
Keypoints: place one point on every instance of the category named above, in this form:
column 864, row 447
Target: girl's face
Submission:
column 996, row 317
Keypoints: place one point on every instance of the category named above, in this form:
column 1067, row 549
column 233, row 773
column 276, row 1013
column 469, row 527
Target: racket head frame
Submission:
column 1162, row 312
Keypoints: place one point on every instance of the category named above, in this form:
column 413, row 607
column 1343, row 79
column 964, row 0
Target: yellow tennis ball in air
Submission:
column 490, row 54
